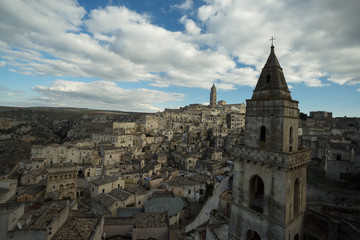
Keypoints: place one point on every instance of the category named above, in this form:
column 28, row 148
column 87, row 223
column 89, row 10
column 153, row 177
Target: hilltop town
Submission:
column 171, row 175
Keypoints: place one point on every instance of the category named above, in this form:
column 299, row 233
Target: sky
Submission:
column 148, row 55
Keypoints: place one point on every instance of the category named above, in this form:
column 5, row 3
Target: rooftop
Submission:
column 150, row 220
column 181, row 181
column 49, row 214
column 172, row 205
column 77, row 228
column 104, row 179
column 105, row 199
column 120, row 194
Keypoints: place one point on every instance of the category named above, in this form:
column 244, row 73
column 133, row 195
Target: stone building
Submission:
column 184, row 187
column 269, row 188
column 213, row 96
column 9, row 217
column 62, row 181
column 105, row 184
column 138, row 226
column 33, row 177
column 31, row 194
column 7, row 189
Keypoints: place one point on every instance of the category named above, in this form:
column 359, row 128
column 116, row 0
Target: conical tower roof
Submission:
column 271, row 83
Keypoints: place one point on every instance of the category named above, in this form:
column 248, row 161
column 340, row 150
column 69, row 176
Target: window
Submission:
column 296, row 197
column 291, row 135
column 296, row 237
column 268, row 78
column 256, row 193
column 252, row 235
column 92, row 189
column 262, row 134
column 139, row 202
column 118, row 186
column 338, row 157
column 189, row 192
column 103, row 190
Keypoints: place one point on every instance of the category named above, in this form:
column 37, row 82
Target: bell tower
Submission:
column 213, row 96
column 269, row 188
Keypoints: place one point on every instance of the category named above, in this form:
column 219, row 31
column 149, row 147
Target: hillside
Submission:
column 20, row 128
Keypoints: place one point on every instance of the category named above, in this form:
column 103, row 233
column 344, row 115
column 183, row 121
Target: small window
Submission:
column 338, row 157
column 189, row 192
column 262, row 134
column 268, row 78
column 103, row 190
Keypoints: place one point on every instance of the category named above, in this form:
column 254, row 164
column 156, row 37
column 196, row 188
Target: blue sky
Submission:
column 139, row 55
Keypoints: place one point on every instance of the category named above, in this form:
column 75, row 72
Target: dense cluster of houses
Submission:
column 151, row 169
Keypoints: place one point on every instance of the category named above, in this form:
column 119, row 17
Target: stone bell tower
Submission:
column 269, row 188
column 213, row 96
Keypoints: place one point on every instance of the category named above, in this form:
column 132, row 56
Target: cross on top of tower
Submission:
column 272, row 41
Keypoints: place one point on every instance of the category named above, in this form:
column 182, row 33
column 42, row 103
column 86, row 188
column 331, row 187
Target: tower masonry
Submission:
column 213, row 96
column 269, row 188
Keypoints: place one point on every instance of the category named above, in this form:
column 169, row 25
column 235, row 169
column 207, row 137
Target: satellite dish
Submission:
column 19, row 225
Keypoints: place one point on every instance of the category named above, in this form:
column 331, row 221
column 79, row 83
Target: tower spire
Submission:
column 271, row 83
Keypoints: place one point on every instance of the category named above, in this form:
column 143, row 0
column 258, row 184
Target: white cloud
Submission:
column 117, row 44
column 11, row 94
column 2, row 64
column 190, row 26
column 315, row 39
column 102, row 95
column 186, row 5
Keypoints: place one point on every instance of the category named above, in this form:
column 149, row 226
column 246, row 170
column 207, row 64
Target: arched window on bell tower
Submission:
column 268, row 77
column 262, row 134
column 296, row 197
column 290, row 139
column 256, row 193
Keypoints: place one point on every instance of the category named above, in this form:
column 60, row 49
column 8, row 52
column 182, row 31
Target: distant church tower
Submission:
column 213, row 96
column 269, row 187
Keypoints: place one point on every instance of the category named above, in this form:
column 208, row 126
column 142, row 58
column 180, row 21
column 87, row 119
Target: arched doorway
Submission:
column 256, row 193
column 252, row 235
column 297, row 237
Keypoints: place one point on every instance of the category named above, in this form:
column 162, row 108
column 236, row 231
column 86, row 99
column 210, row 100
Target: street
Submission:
column 211, row 204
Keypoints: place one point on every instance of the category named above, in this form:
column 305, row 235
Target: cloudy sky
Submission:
column 147, row 55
